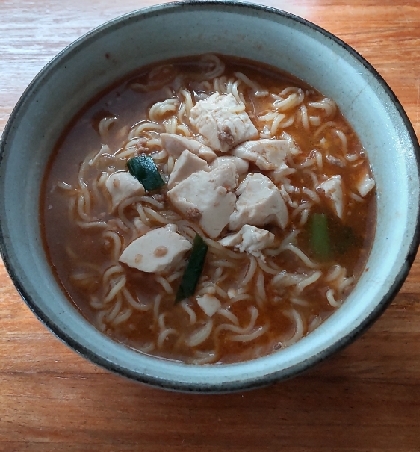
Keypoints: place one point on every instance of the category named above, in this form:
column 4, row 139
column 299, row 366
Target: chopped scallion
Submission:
column 144, row 169
column 193, row 269
column 319, row 236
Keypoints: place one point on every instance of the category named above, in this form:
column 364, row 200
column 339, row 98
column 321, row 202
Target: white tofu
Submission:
column 156, row 251
column 121, row 186
column 222, row 121
column 186, row 164
column 259, row 203
column 365, row 184
column 209, row 304
column 249, row 239
column 207, row 197
column 266, row 154
column 175, row 145
column 333, row 190
column 240, row 164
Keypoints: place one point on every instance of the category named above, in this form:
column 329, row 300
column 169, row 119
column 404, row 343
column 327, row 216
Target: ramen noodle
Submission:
column 208, row 210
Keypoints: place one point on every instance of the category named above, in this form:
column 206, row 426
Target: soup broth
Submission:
column 251, row 163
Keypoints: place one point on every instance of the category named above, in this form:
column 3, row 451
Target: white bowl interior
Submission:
column 177, row 30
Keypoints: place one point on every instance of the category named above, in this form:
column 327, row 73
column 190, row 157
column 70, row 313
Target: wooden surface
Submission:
column 366, row 398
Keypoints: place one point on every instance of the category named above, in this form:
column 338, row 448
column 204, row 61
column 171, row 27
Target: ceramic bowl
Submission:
column 259, row 33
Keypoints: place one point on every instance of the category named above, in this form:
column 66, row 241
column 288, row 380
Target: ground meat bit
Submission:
column 161, row 251
column 193, row 214
column 226, row 136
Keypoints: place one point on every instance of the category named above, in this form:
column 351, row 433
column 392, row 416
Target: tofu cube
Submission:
column 175, row 145
column 157, row 251
column 266, row 154
column 209, row 304
column 187, row 164
column 207, row 197
column 365, row 184
column 240, row 164
column 333, row 190
column 249, row 239
column 259, row 203
column 222, row 121
column 121, row 186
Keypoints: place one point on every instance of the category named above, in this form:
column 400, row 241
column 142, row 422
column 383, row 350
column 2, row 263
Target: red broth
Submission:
column 264, row 302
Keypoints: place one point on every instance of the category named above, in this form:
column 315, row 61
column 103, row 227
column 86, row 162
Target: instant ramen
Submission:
column 208, row 210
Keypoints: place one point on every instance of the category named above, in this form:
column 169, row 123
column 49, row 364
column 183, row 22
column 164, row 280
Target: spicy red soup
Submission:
column 208, row 210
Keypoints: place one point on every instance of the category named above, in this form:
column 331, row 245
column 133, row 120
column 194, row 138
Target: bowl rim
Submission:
column 237, row 385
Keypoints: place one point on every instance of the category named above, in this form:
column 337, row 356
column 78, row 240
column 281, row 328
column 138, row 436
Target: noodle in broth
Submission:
column 247, row 303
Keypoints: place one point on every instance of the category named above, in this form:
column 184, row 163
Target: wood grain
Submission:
column 365, row 398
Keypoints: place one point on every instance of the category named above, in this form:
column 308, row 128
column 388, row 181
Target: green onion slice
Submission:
column 144, row 169
column 319, row 236
column 193, row 269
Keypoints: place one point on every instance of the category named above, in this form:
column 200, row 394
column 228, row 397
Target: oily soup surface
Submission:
column 271, row 177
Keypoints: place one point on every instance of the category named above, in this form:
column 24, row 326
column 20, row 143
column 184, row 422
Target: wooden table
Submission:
column 366, row 398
